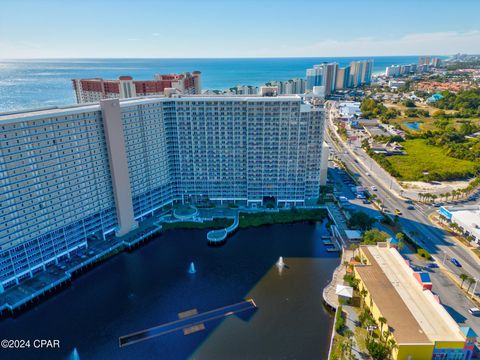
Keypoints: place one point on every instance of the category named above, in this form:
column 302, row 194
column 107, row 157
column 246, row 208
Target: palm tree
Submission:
column 463, row 277
column 447, row 195
column 353, row 247
column 349, row 335
column 427, row 197
column 470, row 281
column 343, row 349
column 363, row 295
column 382, row 322
column 392, row 344
column 386, row 334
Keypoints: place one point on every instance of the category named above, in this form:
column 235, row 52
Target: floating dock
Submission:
column 190, row 321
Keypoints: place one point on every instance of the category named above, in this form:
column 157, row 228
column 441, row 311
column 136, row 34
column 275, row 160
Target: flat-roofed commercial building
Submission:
column 419, row 324
column 466, row 217
column 67, row 173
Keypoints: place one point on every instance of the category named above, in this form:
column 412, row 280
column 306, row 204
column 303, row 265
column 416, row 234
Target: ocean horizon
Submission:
column 34, row 83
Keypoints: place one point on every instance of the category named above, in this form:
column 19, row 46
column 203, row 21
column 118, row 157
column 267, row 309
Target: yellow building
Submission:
column 419, row 324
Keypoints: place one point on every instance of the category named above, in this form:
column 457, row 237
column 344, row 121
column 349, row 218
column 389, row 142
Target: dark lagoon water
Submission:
column 39, row 83
column 151, row 285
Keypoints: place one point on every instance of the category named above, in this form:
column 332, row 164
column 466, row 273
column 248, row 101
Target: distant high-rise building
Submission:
column 322, row 75
column 399, row 70
column 343, row 78
column 244, row 90
column 314, row 77
column 392, row 71
column 424, row 60
column 94, row 90
column 289, row 87
column 436, row 62
column 361, row 72
column 423, row 68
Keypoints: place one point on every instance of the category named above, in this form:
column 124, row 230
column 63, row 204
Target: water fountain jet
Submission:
column 191, row 268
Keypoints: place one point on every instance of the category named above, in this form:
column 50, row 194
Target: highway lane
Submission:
column 413, row 221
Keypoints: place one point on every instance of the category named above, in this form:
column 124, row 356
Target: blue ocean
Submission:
column 26, row 84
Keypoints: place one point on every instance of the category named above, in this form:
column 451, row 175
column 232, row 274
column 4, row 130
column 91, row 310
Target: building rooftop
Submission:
column 466, row 216
column 32, row 114
column 413, row 314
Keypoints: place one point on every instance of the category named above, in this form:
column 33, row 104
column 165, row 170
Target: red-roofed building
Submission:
column 96, row 89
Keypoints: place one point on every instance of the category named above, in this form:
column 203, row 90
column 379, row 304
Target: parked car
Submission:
column 432, row 266
column 373, row 188
column 474, row 311
column 366, row 201
column 361, row 196
column 455, row 262
column 411, row 207
column 398, row 212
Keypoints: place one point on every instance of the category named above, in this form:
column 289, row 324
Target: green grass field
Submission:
column 422, row 157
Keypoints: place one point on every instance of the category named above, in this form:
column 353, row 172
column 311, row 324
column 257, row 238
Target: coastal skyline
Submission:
column 210, row 29
column 239, row 179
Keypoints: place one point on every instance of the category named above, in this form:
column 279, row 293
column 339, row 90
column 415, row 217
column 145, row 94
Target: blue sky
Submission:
column 236, row 28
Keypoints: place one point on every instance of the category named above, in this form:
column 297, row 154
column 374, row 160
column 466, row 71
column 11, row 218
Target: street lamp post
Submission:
column 474, row 288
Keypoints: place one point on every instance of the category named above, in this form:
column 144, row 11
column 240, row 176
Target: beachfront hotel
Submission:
column 96, row 89
column 68, row 173
column 415, row 319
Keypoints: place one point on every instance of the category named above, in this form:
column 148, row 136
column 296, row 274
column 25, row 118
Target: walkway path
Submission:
column 337, row 279
column 351, row 321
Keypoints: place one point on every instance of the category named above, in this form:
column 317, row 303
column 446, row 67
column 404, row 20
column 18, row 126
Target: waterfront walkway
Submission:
column 337, row 279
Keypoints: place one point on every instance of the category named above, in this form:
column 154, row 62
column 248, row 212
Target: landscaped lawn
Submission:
column 422, row 157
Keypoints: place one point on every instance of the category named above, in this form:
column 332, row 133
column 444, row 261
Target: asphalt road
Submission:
column 452, row 298
column 415, row 222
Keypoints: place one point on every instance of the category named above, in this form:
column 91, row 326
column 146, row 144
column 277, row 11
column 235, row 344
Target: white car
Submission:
column 368, row 174
column 474, row 311
column 373, row 188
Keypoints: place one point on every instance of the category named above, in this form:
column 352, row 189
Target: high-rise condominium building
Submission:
column 70, row 172
column 361, row 72
column 436, row 62
column 332, row 77
column 343, row 78
column 322, row 75
column 289, row 87
column 424, row 60
column 94, row 90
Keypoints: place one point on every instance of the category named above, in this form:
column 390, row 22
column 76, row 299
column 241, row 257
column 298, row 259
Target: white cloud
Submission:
column 411, row 44
column 438, row 43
